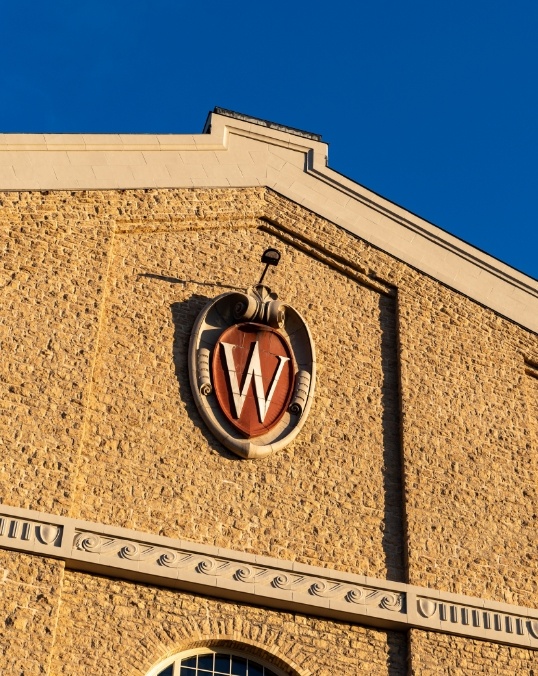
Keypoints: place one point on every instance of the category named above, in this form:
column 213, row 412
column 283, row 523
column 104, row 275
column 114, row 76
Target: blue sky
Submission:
column 432, row 105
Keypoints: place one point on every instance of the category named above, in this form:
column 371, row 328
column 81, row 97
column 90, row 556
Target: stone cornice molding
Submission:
column 239, row 153
column 260, row 580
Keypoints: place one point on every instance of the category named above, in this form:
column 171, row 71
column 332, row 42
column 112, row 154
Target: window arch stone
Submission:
column 217, row 661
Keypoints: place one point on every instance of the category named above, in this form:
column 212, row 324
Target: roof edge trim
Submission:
column 240, row 153
column 263, row 123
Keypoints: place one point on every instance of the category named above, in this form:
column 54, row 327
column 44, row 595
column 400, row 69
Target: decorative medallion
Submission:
column 252, row 370
column 242, row 355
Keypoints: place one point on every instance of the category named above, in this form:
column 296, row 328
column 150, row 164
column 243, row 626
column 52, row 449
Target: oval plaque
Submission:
column 252, row 371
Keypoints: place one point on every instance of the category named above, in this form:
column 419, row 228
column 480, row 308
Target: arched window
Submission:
column 214, row 662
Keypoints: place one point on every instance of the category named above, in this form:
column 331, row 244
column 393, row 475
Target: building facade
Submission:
column 395, row 534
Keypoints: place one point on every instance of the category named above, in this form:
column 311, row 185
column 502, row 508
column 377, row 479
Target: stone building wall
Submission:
column 441, row 655
column 30, row 597
column 132, row 625
column 417, row 463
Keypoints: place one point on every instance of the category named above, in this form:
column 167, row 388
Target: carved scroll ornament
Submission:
column 261, row 576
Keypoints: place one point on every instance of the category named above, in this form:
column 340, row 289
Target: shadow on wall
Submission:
column 183, row 317
column 397, row 653
column 393, row 534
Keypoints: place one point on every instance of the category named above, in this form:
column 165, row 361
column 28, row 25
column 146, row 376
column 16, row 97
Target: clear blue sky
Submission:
column 433, row 105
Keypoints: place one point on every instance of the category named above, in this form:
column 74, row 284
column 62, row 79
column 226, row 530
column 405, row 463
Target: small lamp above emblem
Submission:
column 252, row 368
column 269, row 257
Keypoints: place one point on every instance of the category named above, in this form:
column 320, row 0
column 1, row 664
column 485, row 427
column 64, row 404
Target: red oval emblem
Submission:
column 253, row 377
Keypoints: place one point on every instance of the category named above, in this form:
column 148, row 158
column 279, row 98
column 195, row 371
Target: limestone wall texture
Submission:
column 441, row 655
column 132, row 624
column 30, row 591
column 418, row 461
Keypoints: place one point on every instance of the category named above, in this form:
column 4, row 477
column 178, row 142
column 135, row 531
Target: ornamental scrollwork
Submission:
column 359, row 595
column 241, row 572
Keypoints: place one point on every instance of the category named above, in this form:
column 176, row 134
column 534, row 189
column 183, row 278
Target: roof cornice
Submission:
column 239, row 152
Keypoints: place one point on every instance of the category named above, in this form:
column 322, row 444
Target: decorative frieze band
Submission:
column 261, row 580
column 252, row 577
column 30, row 532
column 481, row 619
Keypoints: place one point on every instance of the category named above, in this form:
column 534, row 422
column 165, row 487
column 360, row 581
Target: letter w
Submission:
column 254, row 368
